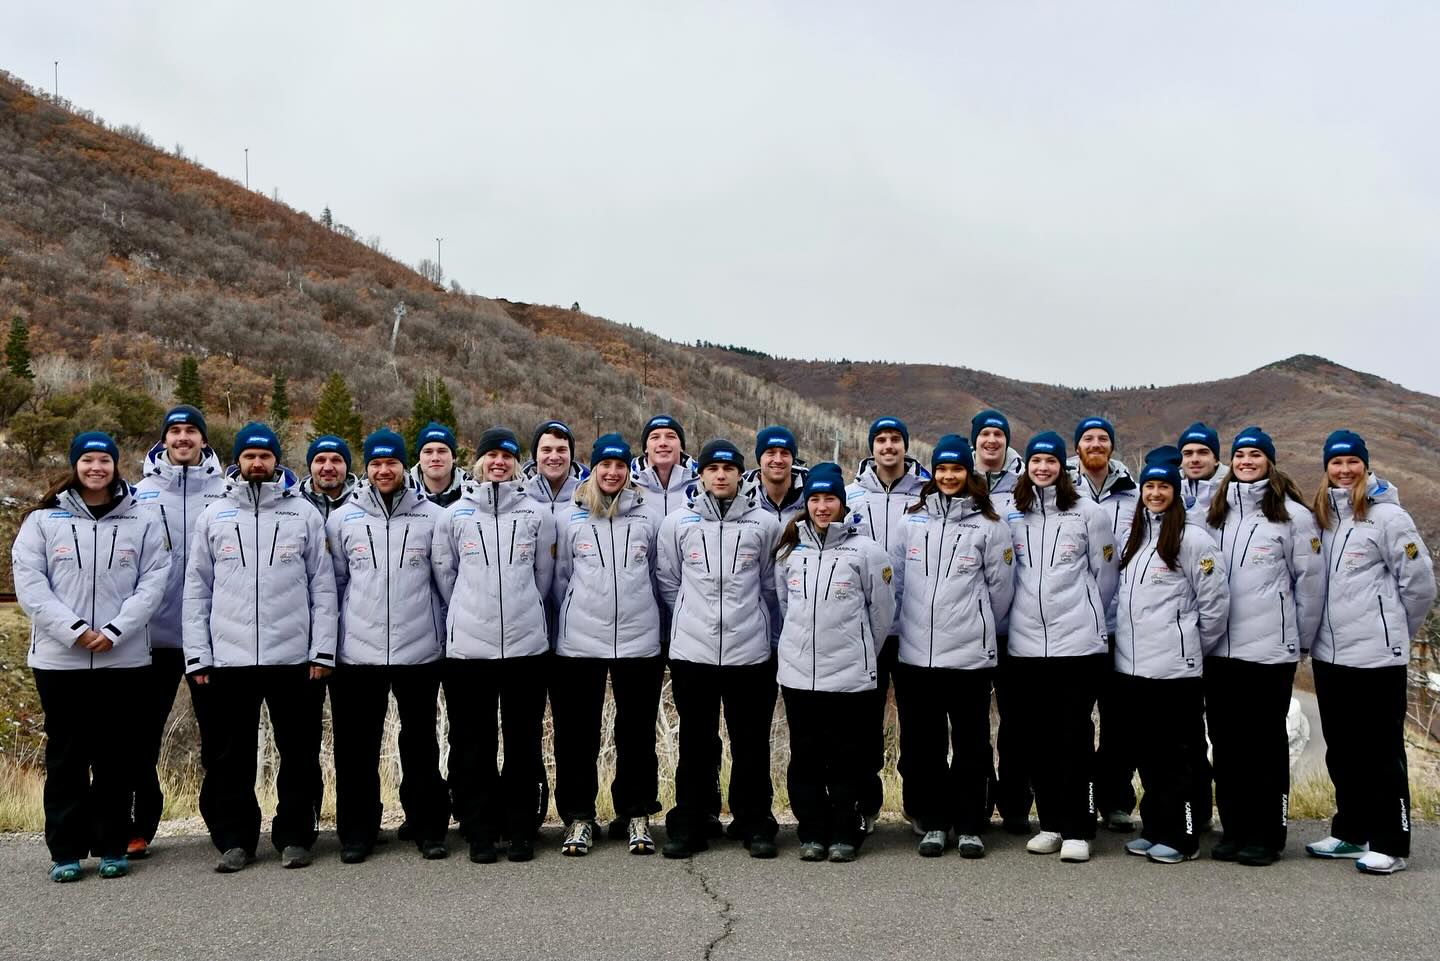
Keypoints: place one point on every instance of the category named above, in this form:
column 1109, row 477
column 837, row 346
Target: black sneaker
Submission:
column 840, row 852
column 433, row 850
column 1257, row 856
column 483, row 851
column 521, row 849
column 353, row 854
column 1225, row 851
column 680, row 846
column 762, row 847
column 234, row 859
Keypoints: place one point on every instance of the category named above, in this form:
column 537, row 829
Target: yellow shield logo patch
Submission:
column 1207, row 566
column 1009, row 555
column 1109, row 552
column 885, row 574
column 1314, row 545
column 1411, row 551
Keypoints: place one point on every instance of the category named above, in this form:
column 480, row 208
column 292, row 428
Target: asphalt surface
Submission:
column 722, row 904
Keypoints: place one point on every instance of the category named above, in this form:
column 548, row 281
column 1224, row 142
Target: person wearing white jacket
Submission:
column 715, row 567
column 1380, row 586
column 180, row 477
column 833, row 583
column 1277, row 594
column 1174, row 597
column 260, row 627
column 609, row 624
column 90, row 570
column 954, row 586
column 495, row 561
column 1200, row 469
column 392, row 636
column 1065, row 578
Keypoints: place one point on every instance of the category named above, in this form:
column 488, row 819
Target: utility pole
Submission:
column 836, row 458
column 247, row 168
column 57, row 79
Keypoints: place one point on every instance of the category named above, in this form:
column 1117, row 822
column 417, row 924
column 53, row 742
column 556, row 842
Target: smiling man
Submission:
column 330, row 481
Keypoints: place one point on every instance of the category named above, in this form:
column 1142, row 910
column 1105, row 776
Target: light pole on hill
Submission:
column 57, row 79
column 247, row 168
column 439, row 270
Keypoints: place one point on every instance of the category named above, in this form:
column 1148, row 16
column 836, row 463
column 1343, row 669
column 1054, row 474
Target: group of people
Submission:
column 1177, row 597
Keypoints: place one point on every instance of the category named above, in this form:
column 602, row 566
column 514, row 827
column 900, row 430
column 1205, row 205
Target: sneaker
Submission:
column 234, row 859
column 640, row 840
column 1046, row 842
column 1138, row 847
column 1017, row 826
column 353, row 854
column 63, row 872
column 138, row 848
column 1119, row 821
column 433, row 850
column 970, row 846
column 842, row 853
column 679, row 846
column 521, row 850
column 1373, row 862
column 295, row 856
column 813, row 851
column 1333, row 847
column 932, row 844
column 867, row 824
column 483, row 851
column 1075, row 850
column 763, row 847
column 1165, row 854
column 1225, row 851
column 578, row 839
column 114, row 867
column 1257, row 856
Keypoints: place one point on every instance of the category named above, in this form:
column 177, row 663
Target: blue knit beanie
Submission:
column 1048, row 442
column 435, row 433
column 1346, row 443
column 1094, row 423
column 558, row 427
column 721, row 452
column 498, row 438
column 609, row 447
column 184, row 414
column 96, row 442
column 327, row 444
column 988, row 418
column 888, row 423
column 659, row 421
column 776, row 436
column 1198, row 433
column 1162, row 464
column 384, row 443
column 825, row 478
column 1257, row 438
column 255, row 435
column 952, row 449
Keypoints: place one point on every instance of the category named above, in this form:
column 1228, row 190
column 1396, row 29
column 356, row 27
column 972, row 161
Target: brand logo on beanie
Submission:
column 821, row 486
column 324, row 445
column 776, row 440
column 948, row 455
column 722, row 455
column 259, row 439
column 993, row 422
column 612, row 451
column 1339, row 446
column 1197, row 436
column 434, row 435
column 1243, row 441
column 1043, row 445
column 1092, row 422
column 887, row 422
column 510, row 445
column 382, row 450
column 177, row 417
column 95, row 445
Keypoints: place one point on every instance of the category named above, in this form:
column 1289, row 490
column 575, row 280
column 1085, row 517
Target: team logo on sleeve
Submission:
column 1411, row 551
column 1314, row 545
column 1109, row 551
column 1009, row 556
column 1207, row 566
column 886, row 573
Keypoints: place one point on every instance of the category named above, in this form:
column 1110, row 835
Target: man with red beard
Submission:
column 1098, row 475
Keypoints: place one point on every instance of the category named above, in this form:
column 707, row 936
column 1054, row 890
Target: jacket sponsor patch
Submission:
column 59, row 515
column 221, row 515
column 353, row 516
column 1411, row 551
column 1009, row 556
column 1314, row 545
column 1109, row 551
column 464, row 511
column 886, row 573
column 147, row 495
column 1207, row 566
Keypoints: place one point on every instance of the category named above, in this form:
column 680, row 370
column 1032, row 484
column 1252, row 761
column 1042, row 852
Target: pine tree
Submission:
column 17, row 349
column 335, row 413
column 279, row 400
column 432, row 403
column 187, row 383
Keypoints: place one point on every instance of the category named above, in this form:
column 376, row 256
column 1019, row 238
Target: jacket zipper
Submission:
column 239, row 539
column 169, row 545
column 484, row 551
column 614, row 579
column 1181, row 631
column 499, row 574
column 1380, row 602
column 720, row 642
column 1245, row 551
column 387, row 580
column 114, row 533
column 255, row 497
column 935, row 582
column 1040, row 584
column 75, row 536
column 275, row 539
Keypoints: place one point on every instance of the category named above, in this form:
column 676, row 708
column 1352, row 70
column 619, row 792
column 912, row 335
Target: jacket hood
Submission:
column 372, row 502
column 307, row 487
column 631, row 498
column 1117, row 481
column 158, row 465
column 1377, row 491
column 530, row 470
column 951, row 508
column 910, row 481
column 70, row 498
column 751, row 483
column 701, row 502
column 459, row 477
column 685, row 470
column 282, row 484
column 837, row 533
column 495, row 496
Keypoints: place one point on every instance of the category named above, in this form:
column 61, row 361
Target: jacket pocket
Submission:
column 1380, row 603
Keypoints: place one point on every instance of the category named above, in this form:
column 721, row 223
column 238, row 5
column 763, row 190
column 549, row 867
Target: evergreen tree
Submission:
column 187, row 383
column 279, row 400
column 17, row 349
column 335, row 413
column 432, row 403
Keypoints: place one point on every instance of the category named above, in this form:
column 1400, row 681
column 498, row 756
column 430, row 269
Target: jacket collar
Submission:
column 281, row 485
column 910, row 482
column 71, row 500
column 158, row 466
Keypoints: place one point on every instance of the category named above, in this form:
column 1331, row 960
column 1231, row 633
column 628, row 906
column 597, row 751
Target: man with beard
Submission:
column 330, row 481
column 1098, row 475
column 182, row 475
column 779, row 481
column 260, row 627
column 436, row 475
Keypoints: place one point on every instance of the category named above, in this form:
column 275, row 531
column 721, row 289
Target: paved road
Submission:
column 889, row 904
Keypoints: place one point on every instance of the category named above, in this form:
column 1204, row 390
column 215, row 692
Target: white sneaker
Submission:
column 1046, row 842
column 1075, row 850
column 1333, row 847
column 640, row 840
column 970, row 846
column 578, row 839
column 1376, row 863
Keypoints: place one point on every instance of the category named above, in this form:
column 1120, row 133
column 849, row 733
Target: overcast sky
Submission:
column 1077, row 192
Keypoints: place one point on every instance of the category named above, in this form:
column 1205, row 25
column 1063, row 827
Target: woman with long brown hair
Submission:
column 1173, row 598
column 90, row 572
column 1277, row 591
column 1380, row 584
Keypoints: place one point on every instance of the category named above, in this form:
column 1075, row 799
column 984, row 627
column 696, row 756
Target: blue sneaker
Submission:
column 1138, row 847
column 1165, row 854
column 63, row 872
column 114, row 867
